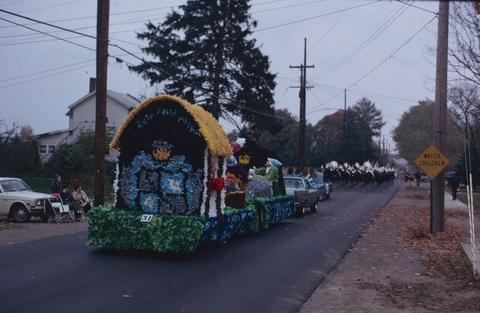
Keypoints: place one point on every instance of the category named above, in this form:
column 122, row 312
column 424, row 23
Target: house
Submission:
column 81, row 119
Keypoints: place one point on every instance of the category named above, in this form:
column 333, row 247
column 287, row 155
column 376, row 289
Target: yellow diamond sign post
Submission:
column 432, row 161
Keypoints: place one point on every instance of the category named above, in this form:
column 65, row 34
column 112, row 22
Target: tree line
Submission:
column 345, row 136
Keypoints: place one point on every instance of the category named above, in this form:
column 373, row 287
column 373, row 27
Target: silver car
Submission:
column 305, row 195
column 19, row 202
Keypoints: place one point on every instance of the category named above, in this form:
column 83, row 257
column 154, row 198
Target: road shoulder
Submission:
column 14, row 233
column 389, row 270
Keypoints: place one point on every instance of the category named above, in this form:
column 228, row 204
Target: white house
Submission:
column 81, row 118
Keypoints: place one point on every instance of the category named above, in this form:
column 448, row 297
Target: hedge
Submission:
column 123, row 230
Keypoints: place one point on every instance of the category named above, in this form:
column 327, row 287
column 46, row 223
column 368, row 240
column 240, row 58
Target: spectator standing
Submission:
column 56, row 186
column 290, row 171
column 453, row 181
column 418, row 177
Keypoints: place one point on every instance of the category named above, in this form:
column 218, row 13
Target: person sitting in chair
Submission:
column 81, row 199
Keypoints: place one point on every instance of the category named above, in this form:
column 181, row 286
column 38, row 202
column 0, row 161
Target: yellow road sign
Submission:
column 432, row 161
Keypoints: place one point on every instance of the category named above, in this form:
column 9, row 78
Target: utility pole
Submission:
column 345, row 125
column 440, row 117
column 103, row 12
column 303, row 103
column 380, row 147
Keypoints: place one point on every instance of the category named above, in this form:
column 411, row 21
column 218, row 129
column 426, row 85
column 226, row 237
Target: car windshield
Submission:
column 293, row 183
column 14, row 185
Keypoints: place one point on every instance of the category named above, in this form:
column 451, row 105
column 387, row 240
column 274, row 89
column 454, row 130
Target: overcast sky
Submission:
column 40, row 76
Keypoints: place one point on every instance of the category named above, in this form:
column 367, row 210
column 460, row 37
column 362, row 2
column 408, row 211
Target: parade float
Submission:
column 179, row 184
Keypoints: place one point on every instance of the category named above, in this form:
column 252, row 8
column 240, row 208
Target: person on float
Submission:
column 271, row 173
column 234, row 168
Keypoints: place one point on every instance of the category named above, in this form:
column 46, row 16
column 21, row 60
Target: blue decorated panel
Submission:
column 161, row 162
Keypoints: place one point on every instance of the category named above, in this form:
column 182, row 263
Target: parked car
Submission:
column 319, row 183
column 19, row 202
column 305, row 195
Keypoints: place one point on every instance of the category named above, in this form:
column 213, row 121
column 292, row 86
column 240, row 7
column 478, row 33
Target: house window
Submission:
column 43, row 149
column 51, row 149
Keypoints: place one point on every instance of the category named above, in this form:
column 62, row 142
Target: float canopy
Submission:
column 208, row 126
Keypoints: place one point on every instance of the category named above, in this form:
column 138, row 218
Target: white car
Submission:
column 19, row 202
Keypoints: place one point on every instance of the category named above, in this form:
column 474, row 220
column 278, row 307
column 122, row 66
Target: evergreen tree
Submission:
column 208, row 44
column 285, row 140
column 370, row 122
column 369, row 116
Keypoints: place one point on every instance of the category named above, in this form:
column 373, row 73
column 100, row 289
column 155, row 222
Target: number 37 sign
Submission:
column 146, row 218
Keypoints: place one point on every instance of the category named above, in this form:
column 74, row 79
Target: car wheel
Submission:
column 298, row 211
column 20, row 213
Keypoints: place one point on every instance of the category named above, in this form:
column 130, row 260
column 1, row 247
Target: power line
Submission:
column 46, row 76
column 76, row 66
column 417, row 7
column 395, row 51
column 288, row 6
column 359, row 30
column 47, row 34
column 381, row 63
column 328, row 31
column 20, row 43
column 357, row 92
column 140, row 20
column 123, row 13
column 347, row 58
column 314, row 17
column 44, row 71
column 368, row 93
column 12, row 2
column 53, row 6
column 94, row 16
column 43, row 23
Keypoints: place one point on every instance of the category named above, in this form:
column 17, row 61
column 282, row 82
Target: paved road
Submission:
column 274, row 271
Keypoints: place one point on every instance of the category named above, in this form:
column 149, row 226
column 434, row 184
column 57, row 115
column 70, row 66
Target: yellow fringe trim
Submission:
column 209, row 127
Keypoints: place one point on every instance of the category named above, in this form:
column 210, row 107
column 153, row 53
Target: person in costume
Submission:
column 234, row 168
column 270, row 172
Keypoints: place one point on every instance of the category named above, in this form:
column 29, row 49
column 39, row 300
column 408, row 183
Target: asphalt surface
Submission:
column 274, row 271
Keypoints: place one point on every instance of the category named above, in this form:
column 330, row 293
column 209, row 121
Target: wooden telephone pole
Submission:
column 440, row 117
column 345, row 125
column 303, row 104
column 103, row 12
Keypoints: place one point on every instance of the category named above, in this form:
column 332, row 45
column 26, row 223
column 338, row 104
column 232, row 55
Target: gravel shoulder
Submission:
column 396, row 266
column 13, row 233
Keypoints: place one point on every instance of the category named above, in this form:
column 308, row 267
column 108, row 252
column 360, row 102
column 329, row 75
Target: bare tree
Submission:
column 7, row 132
column 464, row 102
column 465, row 43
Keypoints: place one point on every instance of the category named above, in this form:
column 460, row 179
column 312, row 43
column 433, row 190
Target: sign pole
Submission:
column 440, row 116
column 433, row 163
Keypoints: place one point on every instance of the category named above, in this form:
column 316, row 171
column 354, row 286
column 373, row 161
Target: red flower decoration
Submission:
column 217, row 183
column 236, row 147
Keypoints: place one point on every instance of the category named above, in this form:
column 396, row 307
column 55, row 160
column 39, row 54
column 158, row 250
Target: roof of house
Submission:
column 53, row 132
column 126, row 100
column 209, row 127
